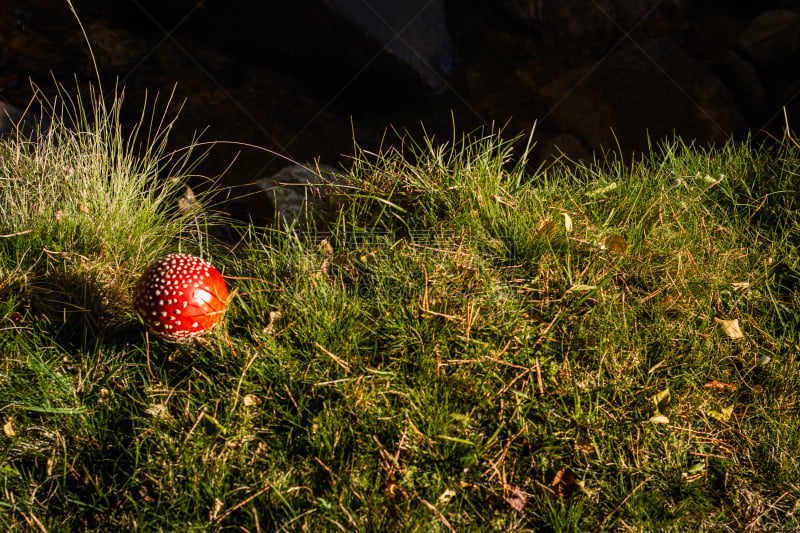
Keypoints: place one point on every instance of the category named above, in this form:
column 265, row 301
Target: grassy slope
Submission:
column 467, row 332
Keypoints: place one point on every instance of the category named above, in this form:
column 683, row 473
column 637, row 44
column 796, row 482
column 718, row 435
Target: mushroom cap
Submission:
column 180, row 296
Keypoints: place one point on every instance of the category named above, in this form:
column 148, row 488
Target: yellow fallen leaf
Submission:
column 212, row 425
column 723, row 415
column 567, row 222
column 251, row 400
column 580, row 287
column 581, row 485
column 615, row 243
column 8, row 427
column 727, row 412
column 659, row 419
column 215, row 509
column 160, row 412
column 696, row 468
column 602, row 191
column 713, row 181
column 446, row 496
column 730, row 327
column 661, row 399
column 273, row 319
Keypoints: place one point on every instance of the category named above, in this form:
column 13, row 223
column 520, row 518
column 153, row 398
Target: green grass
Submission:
column 466, row 329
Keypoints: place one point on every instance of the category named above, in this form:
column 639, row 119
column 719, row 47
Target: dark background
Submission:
column 299, row 78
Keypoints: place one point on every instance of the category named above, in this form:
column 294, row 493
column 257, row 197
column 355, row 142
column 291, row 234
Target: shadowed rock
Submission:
column 413, row 30
column 629, row 92
column 296, row 191
column 772, row 39
column 576, row 19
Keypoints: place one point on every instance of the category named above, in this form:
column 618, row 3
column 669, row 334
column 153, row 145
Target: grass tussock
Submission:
column 83, row 211
column 472, row 346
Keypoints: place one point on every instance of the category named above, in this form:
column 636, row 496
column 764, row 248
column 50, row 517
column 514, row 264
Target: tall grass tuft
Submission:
column 84, row 205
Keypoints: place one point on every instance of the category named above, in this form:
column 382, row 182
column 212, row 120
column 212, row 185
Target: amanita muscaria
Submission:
column 180, row 296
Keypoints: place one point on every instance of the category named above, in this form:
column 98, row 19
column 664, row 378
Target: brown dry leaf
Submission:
column 105, row 394
column 500, row 200
column 546, row 228
column 144, row 494
column 584, row 445
column 325, row 248
column 187, row 201
column 393, row 490
column 8, row 427
column 564, row 482
column 615, row 243
column 516, row 500
column 730, row 327
column 719, row 386
column 261, row 449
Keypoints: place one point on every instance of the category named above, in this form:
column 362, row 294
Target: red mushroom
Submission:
column 180, row 296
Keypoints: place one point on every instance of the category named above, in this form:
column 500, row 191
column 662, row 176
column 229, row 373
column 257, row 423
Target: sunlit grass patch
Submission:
column 468, row 345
